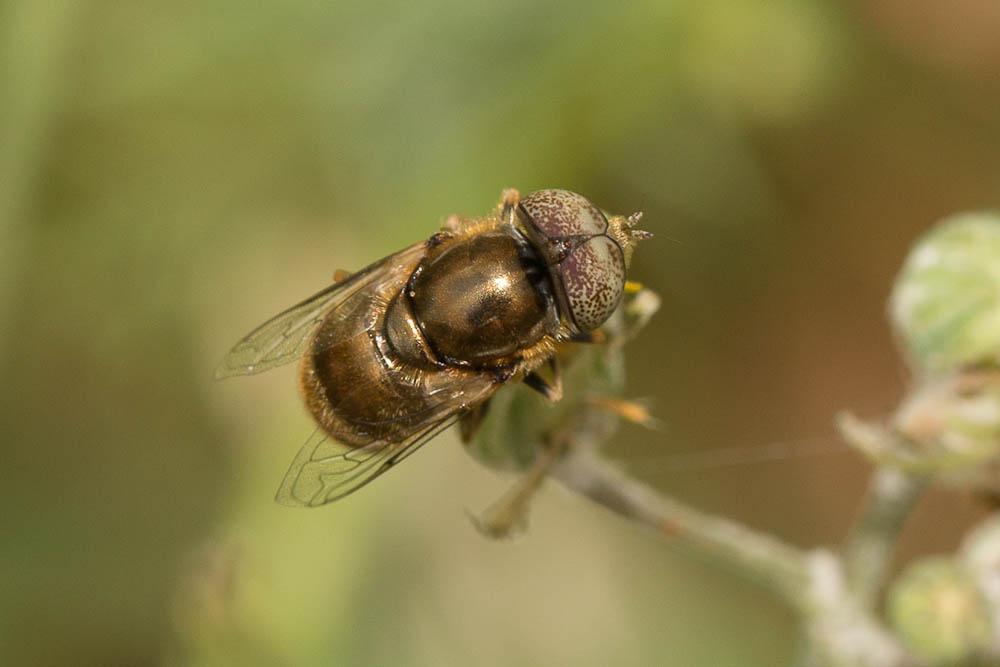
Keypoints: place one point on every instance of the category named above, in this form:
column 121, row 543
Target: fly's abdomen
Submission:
column 358, row 395
column 378, row 382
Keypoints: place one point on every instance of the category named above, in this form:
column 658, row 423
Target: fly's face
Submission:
column 393, row 354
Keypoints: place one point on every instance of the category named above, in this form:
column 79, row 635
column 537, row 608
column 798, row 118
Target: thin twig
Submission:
column 892, row 495
column 839, row 632
column 763, row 557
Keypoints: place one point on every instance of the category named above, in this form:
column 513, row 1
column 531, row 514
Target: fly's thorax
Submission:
column 481, row 299
column 586, row 255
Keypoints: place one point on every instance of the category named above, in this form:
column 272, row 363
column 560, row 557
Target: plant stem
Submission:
column 838, row 631
column 892, row 495
column 765, row 558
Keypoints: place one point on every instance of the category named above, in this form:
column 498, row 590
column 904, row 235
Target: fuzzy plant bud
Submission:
column 947, row 427
column 939, row 611
column 945, row 305
column 951, row 426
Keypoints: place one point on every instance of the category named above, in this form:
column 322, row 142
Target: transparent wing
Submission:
column 285, row 337
column 326, row 470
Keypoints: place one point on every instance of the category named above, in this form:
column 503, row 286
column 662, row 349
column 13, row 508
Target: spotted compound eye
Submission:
column 587, row 264
column 560, row 213
column 593, row 276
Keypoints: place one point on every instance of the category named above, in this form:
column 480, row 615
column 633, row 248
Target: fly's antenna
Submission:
column 623, row 231
column 637, row 234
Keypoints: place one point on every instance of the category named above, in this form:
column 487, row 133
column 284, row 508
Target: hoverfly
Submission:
column 394, row 354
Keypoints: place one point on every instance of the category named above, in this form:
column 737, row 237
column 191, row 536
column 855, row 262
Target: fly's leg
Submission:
column 631, row 411
column 641, row 303
column 508, row 517
column 551, row 390
column 595, row 337
column 509, row 199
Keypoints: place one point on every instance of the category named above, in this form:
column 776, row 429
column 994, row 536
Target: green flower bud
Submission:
column 980, row 554
column 946, row 302
column 939, row 611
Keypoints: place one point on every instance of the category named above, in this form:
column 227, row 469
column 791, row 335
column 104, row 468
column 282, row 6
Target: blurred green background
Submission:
column 172, row 173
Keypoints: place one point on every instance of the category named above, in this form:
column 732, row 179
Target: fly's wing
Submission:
column 326, row 470
column 285, row 337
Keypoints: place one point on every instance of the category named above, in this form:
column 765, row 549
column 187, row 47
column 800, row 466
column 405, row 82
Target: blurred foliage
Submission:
column 171, row 173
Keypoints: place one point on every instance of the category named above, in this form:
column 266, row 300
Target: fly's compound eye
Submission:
column 587, row 264
column 593, row 278
column 560, row 214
